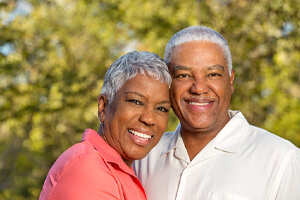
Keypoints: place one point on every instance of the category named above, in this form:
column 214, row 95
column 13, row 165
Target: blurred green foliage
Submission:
column 54, row 54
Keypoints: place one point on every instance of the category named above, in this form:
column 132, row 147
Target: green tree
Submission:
column 53, row 59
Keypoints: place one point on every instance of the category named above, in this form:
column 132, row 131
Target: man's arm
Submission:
column 288, row 181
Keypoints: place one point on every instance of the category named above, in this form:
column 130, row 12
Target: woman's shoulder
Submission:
column 80, row 157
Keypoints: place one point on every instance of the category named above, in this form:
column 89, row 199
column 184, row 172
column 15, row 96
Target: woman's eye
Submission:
column 134, row 101
column 162, row 109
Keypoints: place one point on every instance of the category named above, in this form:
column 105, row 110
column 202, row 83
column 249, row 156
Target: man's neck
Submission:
column 196, row 139
column 194, row 143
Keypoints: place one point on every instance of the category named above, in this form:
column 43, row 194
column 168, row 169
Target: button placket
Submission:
column 182, row 183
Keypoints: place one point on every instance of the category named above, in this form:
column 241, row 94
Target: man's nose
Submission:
column 199, row 86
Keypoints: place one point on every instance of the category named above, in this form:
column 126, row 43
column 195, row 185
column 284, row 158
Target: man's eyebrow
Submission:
column 213, row 67
column 180, row 67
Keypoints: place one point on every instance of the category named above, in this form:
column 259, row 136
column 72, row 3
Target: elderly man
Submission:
column 214, row 152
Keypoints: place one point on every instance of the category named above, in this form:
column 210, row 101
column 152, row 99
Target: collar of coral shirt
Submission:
column 108, row 153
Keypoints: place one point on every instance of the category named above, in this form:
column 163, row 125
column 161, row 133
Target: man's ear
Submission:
column 102, row 107
column 231, row 80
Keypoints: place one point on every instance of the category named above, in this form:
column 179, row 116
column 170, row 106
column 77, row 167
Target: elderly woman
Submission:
column 133, row 114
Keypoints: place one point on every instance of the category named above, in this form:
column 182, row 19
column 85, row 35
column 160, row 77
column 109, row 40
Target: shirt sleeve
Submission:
column 288, row 187
column 86, row 177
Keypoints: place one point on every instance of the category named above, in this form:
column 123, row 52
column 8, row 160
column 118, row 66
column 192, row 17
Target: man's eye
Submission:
column 214, row 74
column 162, row 109
column 182, row 76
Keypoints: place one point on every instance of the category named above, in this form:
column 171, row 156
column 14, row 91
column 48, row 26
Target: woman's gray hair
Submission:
column 128, row 66
column 198, row 33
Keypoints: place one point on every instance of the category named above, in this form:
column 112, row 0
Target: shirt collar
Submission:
column 177, row 144
column 229, row 139
column 233, row 134
column 108, row 153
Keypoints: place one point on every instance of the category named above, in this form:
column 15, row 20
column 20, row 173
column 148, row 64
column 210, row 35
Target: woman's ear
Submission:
column 102, row 107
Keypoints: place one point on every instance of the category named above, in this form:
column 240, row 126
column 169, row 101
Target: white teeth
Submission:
column 142, row 135
column 198, row 104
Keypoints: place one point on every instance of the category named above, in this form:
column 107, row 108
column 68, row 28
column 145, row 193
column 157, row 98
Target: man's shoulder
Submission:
column 159, row 149
column 167, row 136
column 261, row 137
column 163, row 143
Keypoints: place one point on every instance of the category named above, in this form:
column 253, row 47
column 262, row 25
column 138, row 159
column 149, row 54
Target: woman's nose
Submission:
column 147, row 117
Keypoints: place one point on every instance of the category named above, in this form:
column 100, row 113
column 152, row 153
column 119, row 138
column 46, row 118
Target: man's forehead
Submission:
column 195, row 51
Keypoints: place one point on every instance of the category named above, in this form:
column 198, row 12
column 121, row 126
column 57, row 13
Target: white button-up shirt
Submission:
column 241, row 162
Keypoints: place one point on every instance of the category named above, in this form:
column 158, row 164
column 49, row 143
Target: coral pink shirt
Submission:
column 91, row 170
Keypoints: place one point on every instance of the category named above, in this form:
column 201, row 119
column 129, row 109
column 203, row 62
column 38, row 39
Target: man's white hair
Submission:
column 198, row 33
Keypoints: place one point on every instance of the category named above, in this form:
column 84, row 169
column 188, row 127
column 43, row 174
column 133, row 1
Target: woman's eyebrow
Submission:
column 136, row 93
column 165, row 102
